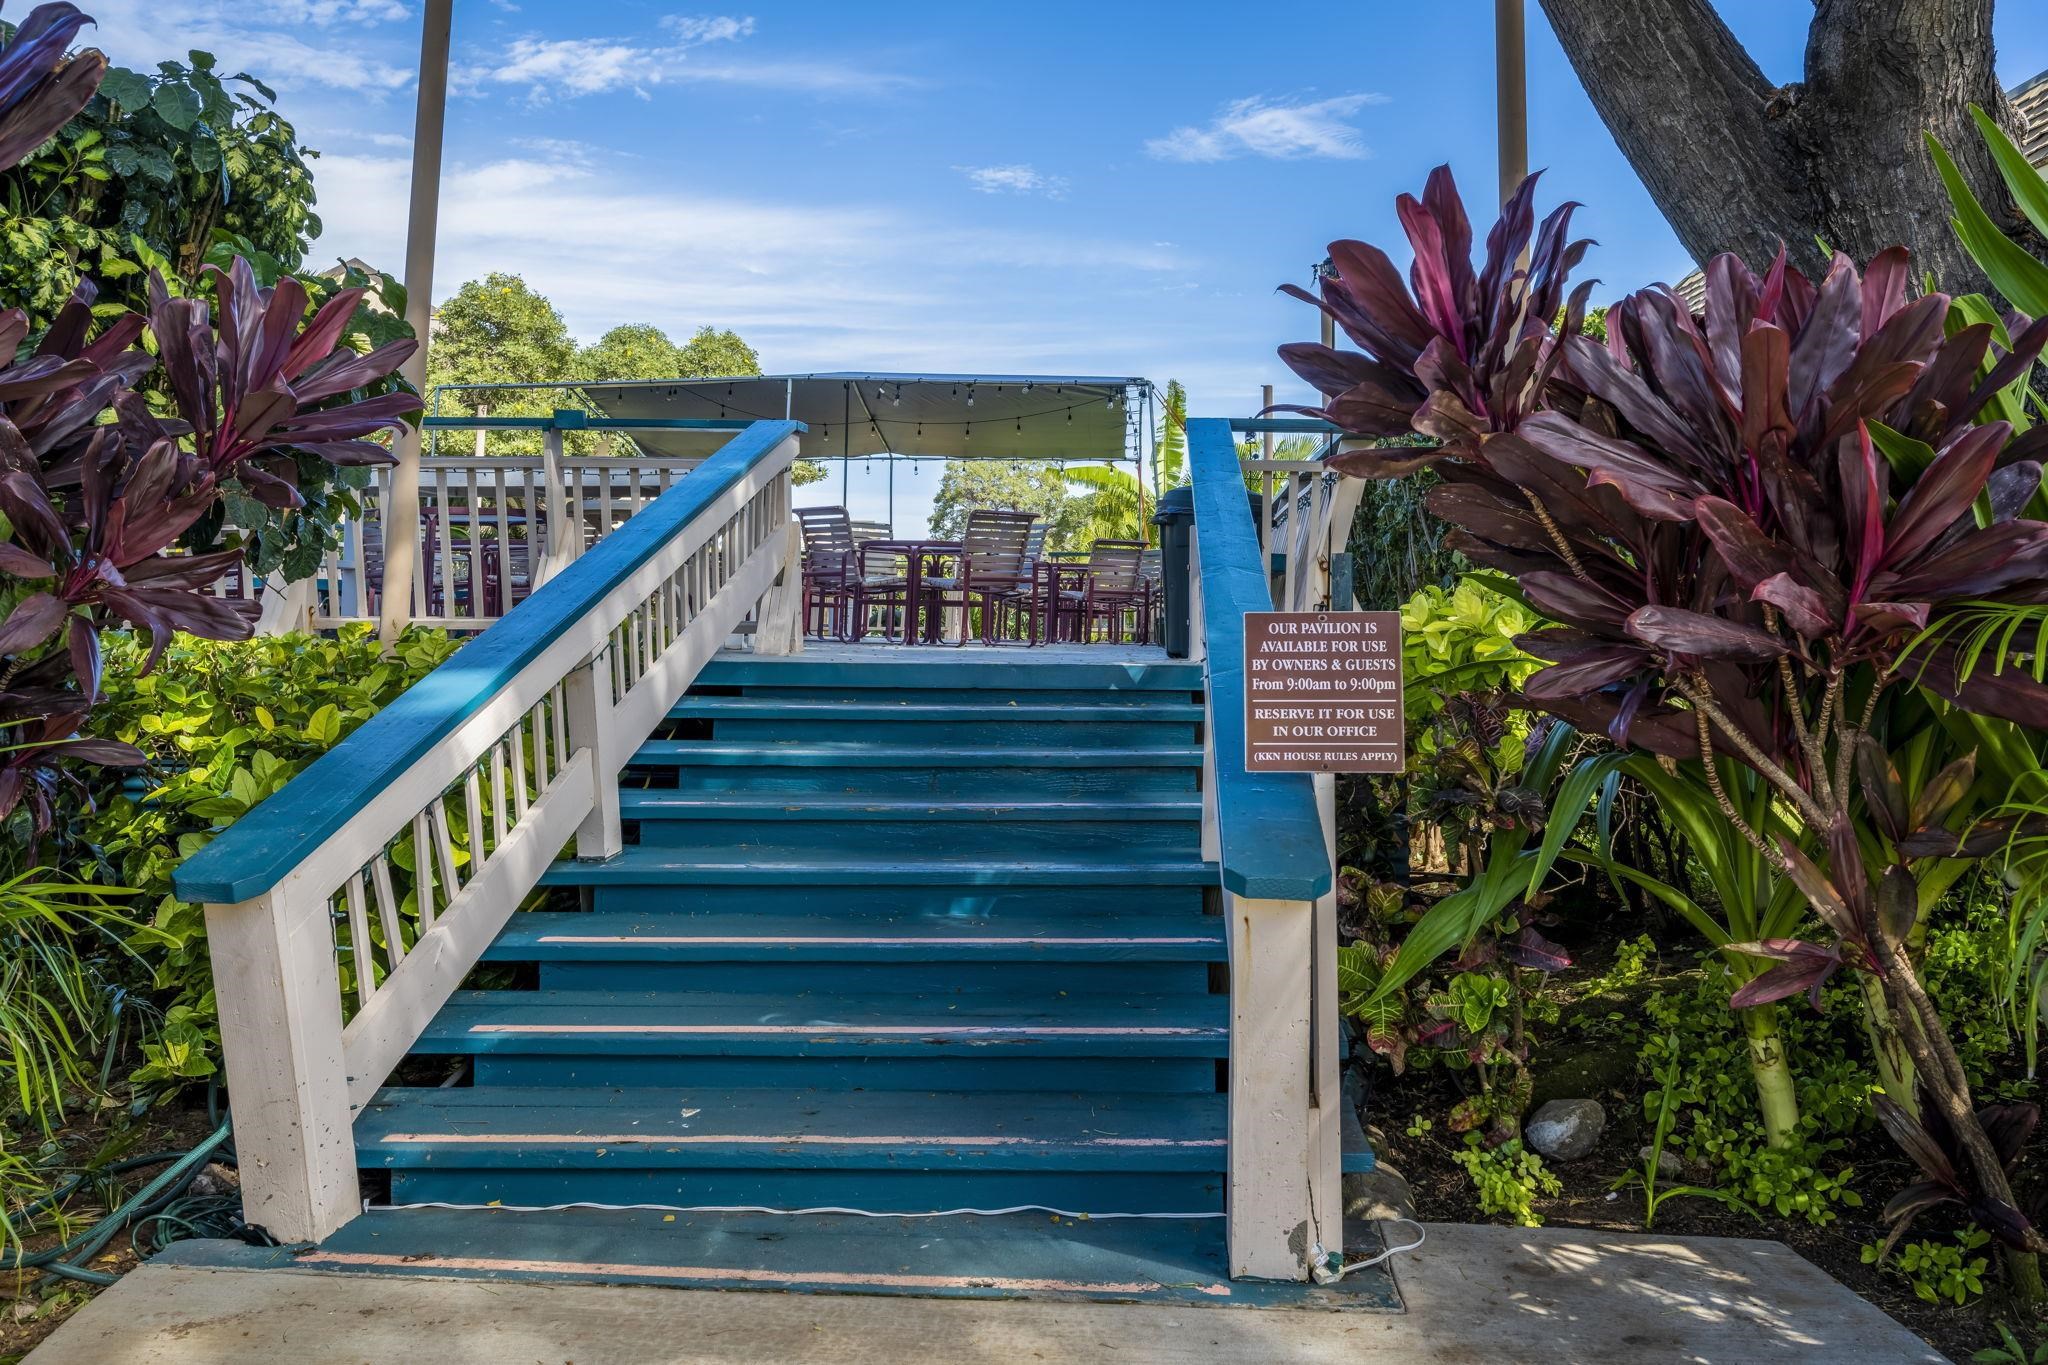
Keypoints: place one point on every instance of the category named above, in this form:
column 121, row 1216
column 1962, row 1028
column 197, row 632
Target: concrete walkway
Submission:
column 1474, row 1294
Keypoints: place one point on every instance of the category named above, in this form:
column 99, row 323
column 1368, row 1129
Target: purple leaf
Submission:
column 1531, row 949
column 34, row 619
column 1679, row 631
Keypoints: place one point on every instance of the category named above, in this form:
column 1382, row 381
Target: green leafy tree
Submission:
column 716, row 352
column 1112, row 498
column 157, row 171
column 1021, row 485
column 497, row 330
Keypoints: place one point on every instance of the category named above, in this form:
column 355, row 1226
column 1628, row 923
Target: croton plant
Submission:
column 111, row 455
column 1747, row 527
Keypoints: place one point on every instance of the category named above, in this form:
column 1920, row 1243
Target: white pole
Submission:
column 402, row 515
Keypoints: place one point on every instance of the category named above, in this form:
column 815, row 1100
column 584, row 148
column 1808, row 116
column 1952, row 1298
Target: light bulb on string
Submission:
column 970, row 398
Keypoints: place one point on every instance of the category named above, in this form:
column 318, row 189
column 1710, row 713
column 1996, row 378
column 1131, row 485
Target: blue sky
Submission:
column 1053, row 188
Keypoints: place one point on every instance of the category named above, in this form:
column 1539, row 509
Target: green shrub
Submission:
column 1508, row 1178
column 1940, row 1270
column 226, row 725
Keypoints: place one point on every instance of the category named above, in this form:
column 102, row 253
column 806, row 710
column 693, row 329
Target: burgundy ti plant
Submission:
column 100, row 485
column 1465, row 353
column 1749, row 526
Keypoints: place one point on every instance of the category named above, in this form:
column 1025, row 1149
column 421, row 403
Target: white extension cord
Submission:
column 1327, row 1269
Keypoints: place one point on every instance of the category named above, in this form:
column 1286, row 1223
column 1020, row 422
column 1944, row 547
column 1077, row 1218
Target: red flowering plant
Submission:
column 1749, row 527
column 101, row 492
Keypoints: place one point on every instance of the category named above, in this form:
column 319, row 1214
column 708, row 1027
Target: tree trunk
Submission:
column 1737, row 164
column 1777, row 1096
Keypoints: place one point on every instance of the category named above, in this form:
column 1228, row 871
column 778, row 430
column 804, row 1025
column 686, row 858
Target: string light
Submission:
column 970, row 397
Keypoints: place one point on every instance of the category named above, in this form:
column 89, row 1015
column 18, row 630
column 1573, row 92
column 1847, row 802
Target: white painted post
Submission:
column 777, row 627
column 1282, row 1203
column 286, row 607
column 563, row 512
column 401, row 511
column 279, row 995
column 587, row 692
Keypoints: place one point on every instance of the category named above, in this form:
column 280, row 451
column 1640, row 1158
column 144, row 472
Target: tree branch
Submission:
column 1694, row 115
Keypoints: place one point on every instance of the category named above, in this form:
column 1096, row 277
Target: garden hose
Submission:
column 63, row 1260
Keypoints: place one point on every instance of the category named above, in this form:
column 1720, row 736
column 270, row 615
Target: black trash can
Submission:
column 1175, row 519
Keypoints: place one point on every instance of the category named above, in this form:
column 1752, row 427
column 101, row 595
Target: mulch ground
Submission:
column 31, row 1310
column 1443, row 1193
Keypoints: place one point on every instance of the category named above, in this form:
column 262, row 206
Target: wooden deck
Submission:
column 882, row 651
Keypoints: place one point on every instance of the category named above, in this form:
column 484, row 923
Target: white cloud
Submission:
column 1256, row 126
column 568, row 67
column 1017, row 179
column 140, row 33
column 700, row 29
column 814, row 286
column 572, row 66
column 324, row 12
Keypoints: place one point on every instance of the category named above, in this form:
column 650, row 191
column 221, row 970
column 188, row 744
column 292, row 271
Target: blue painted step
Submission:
column 666, row 867
column 1027, row 1255
column 981, row 772
column 798, row 825
column 883, row 1151
column 942, row 721
column 865, row 952
column 932, row 670
column 907, row 1041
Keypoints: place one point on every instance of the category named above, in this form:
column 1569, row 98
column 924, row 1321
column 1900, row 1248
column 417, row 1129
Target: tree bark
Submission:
column 1737, row 164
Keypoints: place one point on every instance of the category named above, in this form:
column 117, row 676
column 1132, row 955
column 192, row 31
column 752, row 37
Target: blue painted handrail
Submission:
column 1268, row 829
column 258, row 850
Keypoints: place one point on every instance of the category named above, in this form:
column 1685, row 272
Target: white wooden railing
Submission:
column 1270, row 834
column 477, row 777
column 1308, row 512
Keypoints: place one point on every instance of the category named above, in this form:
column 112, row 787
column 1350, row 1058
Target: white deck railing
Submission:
column 477, row 778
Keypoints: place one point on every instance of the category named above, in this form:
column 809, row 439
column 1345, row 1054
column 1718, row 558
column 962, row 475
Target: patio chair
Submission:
column 1113, row 595
column 1017, row 611
column 991, row 564
column 830, row 571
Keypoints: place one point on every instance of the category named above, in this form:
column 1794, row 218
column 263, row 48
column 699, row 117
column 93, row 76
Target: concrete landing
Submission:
column 1474, row 1294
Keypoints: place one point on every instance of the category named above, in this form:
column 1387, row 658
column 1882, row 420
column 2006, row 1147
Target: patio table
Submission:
column 1049, row 579
column 914, row 553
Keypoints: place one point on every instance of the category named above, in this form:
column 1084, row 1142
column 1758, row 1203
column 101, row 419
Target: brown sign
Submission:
column 1322, row 692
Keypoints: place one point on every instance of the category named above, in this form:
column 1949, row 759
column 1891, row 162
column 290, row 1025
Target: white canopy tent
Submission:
column 1077, row 419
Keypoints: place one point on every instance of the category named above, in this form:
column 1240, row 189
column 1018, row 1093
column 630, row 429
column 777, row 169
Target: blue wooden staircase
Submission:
column 897, row 936
column 896, row 932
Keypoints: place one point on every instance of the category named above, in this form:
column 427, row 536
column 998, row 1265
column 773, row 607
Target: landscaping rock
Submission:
column 216, row 1179
column 1565, row 1130
column 1378, row 1194
column 1669, row 1166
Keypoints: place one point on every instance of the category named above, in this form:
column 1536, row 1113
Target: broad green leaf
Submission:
column 324, row 725
column 1908, row 458
column 129, row 89
column 2017, row 275
column 176, row 104
column 2029, row 189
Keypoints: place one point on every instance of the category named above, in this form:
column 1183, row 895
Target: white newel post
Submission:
column 778, row 626
column 1280, row 1207
column 279, row 994
column 593, row 725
